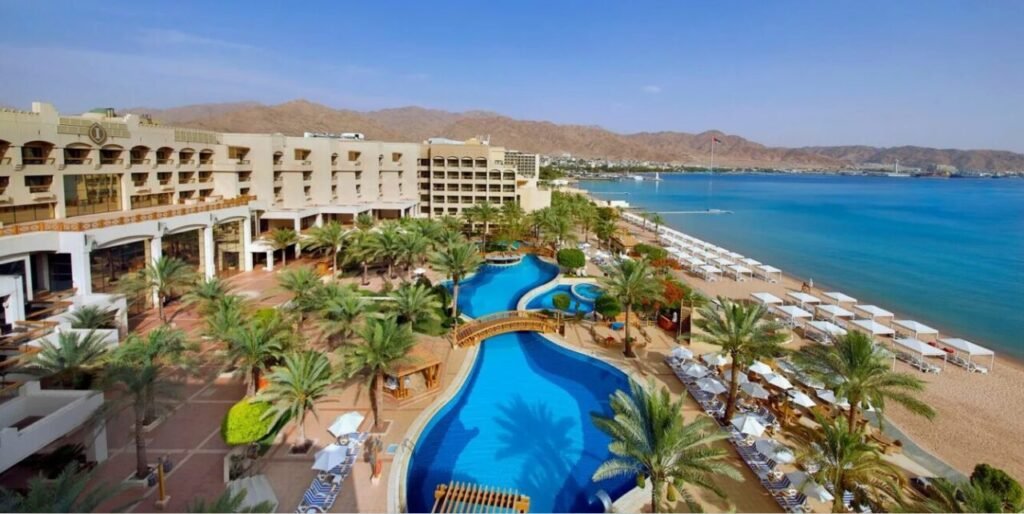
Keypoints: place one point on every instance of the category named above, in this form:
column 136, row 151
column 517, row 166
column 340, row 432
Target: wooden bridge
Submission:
column 502, row 323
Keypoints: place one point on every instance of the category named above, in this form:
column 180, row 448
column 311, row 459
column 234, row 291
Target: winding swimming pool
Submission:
column 546, row 300
column 521, row 419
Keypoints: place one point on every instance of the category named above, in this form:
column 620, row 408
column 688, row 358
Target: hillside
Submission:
column 417, row 124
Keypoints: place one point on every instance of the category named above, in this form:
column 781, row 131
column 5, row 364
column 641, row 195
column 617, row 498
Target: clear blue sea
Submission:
column 948, row 253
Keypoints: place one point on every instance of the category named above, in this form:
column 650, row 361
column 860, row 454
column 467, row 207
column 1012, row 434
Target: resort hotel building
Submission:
column 87, row 199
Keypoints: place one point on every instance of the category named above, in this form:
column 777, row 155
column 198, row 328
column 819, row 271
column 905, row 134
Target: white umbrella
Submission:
column 695, row 370
column 774, row 450
column 803, row 483
column 711, row 385
column 418, row 271
column 778, row 381
column 786, row 366
column 761, row 368
column 740, row 377
column 809, row 381
column 828, row 396
column 801, row 399
column 755, row 390
column 346, row 423
column 714, row 359
column 681, row 353
column 331, row 456
column 748, row 424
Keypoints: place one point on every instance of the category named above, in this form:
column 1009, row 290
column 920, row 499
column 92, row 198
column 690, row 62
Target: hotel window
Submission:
column 138, row 155
column 238, row 154
column 139, row 179
column 4, row 182
column 39, row 183
column 144, row 201
column 164, row 155
column 277, row 158
column 306, row 190
column 334, row 159
column 359, row 190
column 206, row 157
column 36, row 152
column 108, row 265
column 26, row 213
column 353, row 156
column 164, row 178
column 185, row 157
column 396, row 157
column 77, row 155
column 301, row 154
column 91, row 194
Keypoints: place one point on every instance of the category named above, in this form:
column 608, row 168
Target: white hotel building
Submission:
column 86, row 199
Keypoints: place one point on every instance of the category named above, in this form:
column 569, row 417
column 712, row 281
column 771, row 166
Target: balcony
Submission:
column 233, row 165
column 37, row 417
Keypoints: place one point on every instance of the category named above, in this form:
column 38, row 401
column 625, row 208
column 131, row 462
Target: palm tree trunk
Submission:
column 284, row 257
column 150, row 412
column 366, row 273
column 851, row 417
column 730, row 403
column 141, row 464
column 334, row 266
column 628, row 352
column 302, row 429
column 160, row 308
column 254, row 381
column 375, row 399
column 391, row 269
column 837, row 500
column 455, row 297
column 656, row 488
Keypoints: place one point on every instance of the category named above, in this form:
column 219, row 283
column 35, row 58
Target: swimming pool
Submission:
column 522, row 420
column 499, row 288
column 587, row 292
column 546, row 301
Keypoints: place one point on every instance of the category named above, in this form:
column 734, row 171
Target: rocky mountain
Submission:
column 417, row 124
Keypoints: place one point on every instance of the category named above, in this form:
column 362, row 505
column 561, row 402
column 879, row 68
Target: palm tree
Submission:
column 254, row 347
column 305, row 286
column 651, row 439
column 93, row 317
column 361, row 250
column 948, row 496
column 385, row 345
column 224, row 315
column 164, row 347
column 855, row 369
column 70, row 491
column 281, row 239
column 386, row 245
column 456, row 262
column 743, row 333
column 296, row 386
column 339, row 314
column 486, row 213
column 163, row 277
column 631, row 283
column 229, row 502
column 605, row 230
column 138, row 382
column 364, row 222
column 846, row 460
column 415, row 304
column 206, row 293
column 586, row 218
column 69, row 359
column 329, row 238
column 412, row 247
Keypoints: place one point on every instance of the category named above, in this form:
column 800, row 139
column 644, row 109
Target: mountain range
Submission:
column 418, row 124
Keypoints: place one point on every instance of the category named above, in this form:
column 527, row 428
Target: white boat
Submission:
column 637, row 178
column 657, row 177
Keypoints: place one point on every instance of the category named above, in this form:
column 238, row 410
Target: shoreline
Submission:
column 967, row 404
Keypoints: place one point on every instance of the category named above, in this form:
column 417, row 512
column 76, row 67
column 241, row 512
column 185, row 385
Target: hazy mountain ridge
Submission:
column 418, row 123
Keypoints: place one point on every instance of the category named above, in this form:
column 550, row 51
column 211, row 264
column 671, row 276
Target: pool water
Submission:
column 522, row 421
column 546, row 301
column 499, row 288
column 587, row 292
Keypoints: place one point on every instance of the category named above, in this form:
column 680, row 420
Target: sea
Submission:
column 948, row 253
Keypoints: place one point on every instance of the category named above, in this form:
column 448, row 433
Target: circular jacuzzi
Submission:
column 587, row 292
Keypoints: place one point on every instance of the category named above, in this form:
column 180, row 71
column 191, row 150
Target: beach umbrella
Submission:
column 714, row 359
column 809, row 381
column 418, row 271
column 740, row 377
column 778, row 381
column 760, row 368
column 681, row 353
column 711, row 385
column 786, row 366
column 748, row 424
column 801, row 399
column 346, row 423
column 775, row 450
column 332, row 455
column 805, row 484
column 695, row 370
column 755, row 390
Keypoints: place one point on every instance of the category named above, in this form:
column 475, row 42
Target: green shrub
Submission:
column 1000, row 483
column 561, row 301
column 571, row 258
column 650, row 252
column 245, row 424
column 607, row 306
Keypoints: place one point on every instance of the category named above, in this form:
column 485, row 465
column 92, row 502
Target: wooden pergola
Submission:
column 457, row 497
column 420, row 360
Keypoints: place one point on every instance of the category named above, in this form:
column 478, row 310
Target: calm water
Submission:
column 949, row 253
column 499, row 288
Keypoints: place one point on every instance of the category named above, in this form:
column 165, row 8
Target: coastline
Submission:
column 967, row 404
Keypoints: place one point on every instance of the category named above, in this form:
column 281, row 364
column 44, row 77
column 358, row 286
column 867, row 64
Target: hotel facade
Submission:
column 87, row 199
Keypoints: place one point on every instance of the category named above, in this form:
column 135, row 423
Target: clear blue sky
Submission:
column 935, row 73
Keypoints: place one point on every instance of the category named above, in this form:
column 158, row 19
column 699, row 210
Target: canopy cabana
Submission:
column 803, row 298
column 826, row 328
column 767, row 298
column 739, row 271
column 915, row 329
column 751, row 262
column 872, row 311
column 770, row 273
column 709, row 272
column 419, row 360
column 970, row 349
column 834, row 311
column 871, row 327
column 722, row 262
column 793, row 312
column 919, row 347
column 839, row 298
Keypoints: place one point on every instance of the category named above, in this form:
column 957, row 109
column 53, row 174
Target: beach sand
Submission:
column 978, row 416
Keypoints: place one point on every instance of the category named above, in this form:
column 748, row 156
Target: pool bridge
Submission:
column 504, row 322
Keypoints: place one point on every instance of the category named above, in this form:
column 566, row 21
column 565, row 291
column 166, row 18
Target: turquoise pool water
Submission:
column 546, row 301
column 522, row 420
column 499, row 288
column 587, row 292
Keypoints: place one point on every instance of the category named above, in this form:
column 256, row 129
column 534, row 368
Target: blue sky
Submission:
column 935, row 73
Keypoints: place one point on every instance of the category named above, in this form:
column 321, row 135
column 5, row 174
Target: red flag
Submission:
column 716, row 140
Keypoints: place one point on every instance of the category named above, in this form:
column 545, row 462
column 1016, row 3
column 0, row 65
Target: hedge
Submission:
column 607, row 306
column 651, row 252
column 245, row 424
column 571, row 258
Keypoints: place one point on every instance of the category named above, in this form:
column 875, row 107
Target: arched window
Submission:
column 35, row 153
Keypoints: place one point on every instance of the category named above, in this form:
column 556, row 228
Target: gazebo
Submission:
column 873, row 311
column 420, row 360
column 766, row 298
column 871, row 327
column 840, row 298
column 803, row 298
column 770, row 273
column 970, row 349
column 915, row 328
column 919, row 347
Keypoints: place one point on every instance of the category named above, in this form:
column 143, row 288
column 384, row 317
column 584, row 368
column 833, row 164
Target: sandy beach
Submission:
column 977, row 415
